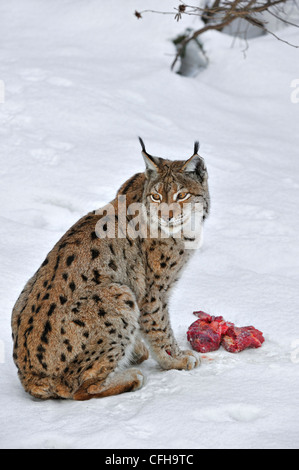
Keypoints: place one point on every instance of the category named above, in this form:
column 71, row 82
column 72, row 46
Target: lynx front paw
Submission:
column 191, row 359
column 186, row 360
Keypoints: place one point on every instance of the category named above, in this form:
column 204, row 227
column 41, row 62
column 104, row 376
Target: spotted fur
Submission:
column 80, row 319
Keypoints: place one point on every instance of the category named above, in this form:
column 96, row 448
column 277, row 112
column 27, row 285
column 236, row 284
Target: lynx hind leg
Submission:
column 110, row 317
column 127, row 380
column 104, row 375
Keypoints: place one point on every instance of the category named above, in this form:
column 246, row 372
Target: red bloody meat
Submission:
column 205, row 334
column 202, row 337
column 237, row 339
column 208, row 333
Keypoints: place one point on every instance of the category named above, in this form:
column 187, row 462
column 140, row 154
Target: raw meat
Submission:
column 206, row 333
column 236, row 339
column 209, row 332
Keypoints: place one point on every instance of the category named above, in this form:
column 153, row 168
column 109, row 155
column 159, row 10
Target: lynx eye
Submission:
column 156, row 197
column 182, row 196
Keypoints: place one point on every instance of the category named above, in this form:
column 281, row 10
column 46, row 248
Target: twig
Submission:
column 222, row 13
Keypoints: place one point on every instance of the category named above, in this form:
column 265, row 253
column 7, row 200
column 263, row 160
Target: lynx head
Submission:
column 175, row 192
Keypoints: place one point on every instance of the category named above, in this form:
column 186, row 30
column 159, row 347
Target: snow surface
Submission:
column 82, row 80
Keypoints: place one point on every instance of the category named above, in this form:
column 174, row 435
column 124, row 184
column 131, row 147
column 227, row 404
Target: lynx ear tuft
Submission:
column 150, row 162
column 142, row 144
column 196, row 147
column 195, row 164
column 191, row 164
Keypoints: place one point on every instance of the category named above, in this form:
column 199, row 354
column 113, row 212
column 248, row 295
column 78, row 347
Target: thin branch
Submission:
column 280, row 39
column 283, row 19
column 222, row 13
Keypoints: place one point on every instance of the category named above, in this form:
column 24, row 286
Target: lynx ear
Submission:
column 150, row 162
column 191, row 164
column 195, row 164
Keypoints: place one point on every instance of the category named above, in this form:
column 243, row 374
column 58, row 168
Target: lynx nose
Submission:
column 167, row 216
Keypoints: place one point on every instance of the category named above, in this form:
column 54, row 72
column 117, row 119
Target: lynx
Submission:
column 83, row 317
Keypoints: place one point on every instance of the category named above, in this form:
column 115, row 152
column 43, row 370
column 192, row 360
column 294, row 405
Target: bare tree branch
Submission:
column 218, row 14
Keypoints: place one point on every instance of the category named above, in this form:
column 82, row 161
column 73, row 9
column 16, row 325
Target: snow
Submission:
column 82, row 81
